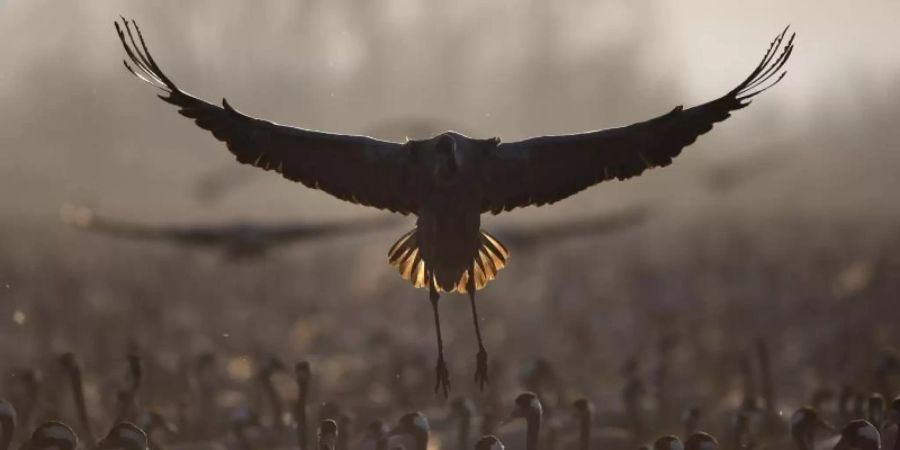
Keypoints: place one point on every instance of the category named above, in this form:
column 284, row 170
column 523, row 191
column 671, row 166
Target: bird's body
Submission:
column 448, row 181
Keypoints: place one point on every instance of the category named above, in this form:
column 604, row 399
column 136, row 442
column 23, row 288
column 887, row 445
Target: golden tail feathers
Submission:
column 406, row 257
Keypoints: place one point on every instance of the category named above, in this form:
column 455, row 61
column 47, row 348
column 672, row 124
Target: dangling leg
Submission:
column 481, row 369
column 442, row 381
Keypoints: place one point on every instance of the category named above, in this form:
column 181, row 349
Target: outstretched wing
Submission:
column 547, row 169
column 593, row 226
column 303, row 231
column 85, row 218
column 357, row 169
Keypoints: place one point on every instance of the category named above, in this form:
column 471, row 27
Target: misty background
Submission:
column 803, row 252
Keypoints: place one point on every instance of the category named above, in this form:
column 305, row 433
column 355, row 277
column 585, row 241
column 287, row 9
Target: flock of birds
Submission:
column 539, row 418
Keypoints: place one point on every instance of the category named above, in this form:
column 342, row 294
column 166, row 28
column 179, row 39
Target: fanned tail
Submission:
column 407, row 258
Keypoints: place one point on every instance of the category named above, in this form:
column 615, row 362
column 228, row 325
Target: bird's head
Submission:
column 447, row 158
column 583, row 408
column 454, row 153
column 52, row 434
column 125, row 436
column 527, row 405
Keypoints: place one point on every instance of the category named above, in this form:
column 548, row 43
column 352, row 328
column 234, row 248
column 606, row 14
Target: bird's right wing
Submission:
column 357, row 169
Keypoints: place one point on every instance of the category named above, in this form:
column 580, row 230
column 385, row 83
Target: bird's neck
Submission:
column 585, row 432
column 534, row 430
column 422, row 440
column 464, row 425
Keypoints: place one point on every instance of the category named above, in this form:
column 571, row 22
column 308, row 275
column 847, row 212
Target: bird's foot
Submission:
column 442, row 377
column 481, row 369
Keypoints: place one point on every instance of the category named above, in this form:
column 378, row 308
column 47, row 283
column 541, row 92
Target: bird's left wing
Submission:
column 547, row 169
column 357, row 169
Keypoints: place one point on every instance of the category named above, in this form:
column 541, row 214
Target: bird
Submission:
column 489, row 442
column 450, row 180
column 859, row 434
column 528, row 407
column 124, row 436
column 240, row 240
column 7, row 424
column 52, row 434
column 328, row 434
column 413, row 428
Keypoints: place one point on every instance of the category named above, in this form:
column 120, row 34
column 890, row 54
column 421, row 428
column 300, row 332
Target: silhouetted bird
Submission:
column 448, row 181
column 328, row 434
column 528, row 407
column 240, row 240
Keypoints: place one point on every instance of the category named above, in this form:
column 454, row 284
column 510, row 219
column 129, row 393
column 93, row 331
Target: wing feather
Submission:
column 357, row 169
column 547, row 169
